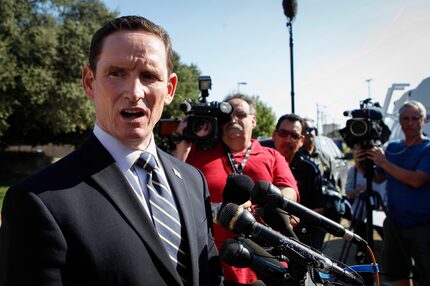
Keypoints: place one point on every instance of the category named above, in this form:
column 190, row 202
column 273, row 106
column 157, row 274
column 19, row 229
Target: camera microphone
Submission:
column 290, row 8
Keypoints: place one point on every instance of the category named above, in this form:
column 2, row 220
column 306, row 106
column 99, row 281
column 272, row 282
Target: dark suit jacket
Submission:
column 78, row 222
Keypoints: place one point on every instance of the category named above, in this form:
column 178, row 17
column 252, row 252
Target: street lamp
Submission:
column 368, row 85
column 239, row 84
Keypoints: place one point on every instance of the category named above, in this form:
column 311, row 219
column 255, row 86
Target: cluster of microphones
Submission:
column 263, row 245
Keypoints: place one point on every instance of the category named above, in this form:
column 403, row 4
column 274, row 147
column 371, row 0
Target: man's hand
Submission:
column 183, row 148
column 377, row 155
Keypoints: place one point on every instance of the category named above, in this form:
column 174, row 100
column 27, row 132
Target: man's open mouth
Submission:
column 132, row 113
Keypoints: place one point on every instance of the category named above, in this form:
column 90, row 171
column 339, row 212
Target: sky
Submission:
column 343, row 51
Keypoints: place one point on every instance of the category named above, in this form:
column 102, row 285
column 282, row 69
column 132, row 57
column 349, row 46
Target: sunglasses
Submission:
column 310, row 129
column 285, row 134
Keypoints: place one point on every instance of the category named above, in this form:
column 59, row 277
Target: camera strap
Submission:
column 237, row 168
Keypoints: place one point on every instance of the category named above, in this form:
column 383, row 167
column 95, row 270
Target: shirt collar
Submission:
column 123, row 155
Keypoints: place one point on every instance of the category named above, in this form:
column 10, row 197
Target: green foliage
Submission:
column 266, row 119
column 187, row 89
column 43, row 47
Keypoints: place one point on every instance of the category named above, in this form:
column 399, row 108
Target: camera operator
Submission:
column 405, row 165
column 288, row 138
column 237, row 153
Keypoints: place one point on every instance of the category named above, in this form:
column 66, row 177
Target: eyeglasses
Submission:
column 240, row 115
column 285, row 134
column 309, row 130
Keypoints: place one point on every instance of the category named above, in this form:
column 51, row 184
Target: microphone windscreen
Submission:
column 290, row 8
column 237, row 189
column 259, row 192
column 257, row 250
column 233, row 253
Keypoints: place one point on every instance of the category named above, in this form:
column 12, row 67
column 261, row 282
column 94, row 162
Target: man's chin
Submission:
column 136, row 139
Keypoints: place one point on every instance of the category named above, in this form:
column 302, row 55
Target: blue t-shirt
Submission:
column 407, row 205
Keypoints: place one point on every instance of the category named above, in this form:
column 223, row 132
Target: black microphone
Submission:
column 290, row 8
column 278, row 219
column 244, row 252
column 237, row 190
column 238, row 220
column 266, row 194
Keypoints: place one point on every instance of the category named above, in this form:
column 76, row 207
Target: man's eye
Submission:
column 149, row 76
column 116, row 73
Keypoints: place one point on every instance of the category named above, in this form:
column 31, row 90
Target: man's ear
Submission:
column 88, row 81
column 171, row 88
column 302, row 140
column 254, row 121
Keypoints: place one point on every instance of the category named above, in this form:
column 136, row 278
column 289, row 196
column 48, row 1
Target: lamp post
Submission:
column 239, row 84
column 368, row 85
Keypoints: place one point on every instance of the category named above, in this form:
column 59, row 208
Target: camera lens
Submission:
column 201, row 127
column 225, row 107
column 358, row 128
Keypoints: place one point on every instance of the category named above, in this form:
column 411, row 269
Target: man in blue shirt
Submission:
column 405, row 165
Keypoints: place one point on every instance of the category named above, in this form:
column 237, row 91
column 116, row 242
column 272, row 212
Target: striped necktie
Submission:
column 165, row 214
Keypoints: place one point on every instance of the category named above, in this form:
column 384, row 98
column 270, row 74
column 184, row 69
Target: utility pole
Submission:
column 239, row 84
column 368, row 85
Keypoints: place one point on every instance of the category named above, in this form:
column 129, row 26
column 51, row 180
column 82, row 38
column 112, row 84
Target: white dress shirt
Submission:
column 125, row 157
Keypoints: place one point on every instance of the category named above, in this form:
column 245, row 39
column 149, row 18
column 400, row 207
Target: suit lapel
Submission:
column 179, row 188
column 116, row 186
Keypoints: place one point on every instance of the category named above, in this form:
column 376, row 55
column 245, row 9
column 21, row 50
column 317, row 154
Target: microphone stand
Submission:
column 290, row 29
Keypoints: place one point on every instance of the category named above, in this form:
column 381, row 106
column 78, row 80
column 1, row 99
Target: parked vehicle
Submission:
column 339, row 163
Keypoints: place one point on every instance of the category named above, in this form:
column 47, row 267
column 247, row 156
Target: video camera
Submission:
column 205, row 118
column 366, row 127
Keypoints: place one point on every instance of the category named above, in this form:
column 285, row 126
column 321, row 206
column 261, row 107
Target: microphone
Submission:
column 238, row 220
column 290, row 8
column 277, row 219
column 246, row 253
column 265, row 193
column 237, row 190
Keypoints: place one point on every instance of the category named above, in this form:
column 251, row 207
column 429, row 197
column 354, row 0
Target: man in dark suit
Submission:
column 88, row 219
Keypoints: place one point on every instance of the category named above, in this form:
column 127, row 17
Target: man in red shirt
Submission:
column 238, row 153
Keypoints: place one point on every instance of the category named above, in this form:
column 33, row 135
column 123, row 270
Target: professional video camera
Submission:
column 205, row 118
column 366, row 127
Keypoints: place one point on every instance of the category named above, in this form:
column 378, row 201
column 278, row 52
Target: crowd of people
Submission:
column 121, row 211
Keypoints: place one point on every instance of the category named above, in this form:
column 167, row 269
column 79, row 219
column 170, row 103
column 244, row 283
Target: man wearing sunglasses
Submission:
column 288, row 138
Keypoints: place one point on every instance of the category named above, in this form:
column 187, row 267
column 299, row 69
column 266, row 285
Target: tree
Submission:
column 43, row 48
column 266, row 119
column 187, row 89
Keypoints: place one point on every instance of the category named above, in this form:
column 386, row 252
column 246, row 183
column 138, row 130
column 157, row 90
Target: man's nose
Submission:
column 136, row 90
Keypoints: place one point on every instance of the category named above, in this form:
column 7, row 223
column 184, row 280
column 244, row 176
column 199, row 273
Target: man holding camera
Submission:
column 240, row 154
column 405, row 165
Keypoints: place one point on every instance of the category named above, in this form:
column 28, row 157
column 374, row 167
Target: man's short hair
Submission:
column 128, row 23
column 246, row 98
column 414, row 104
column 292, row 118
